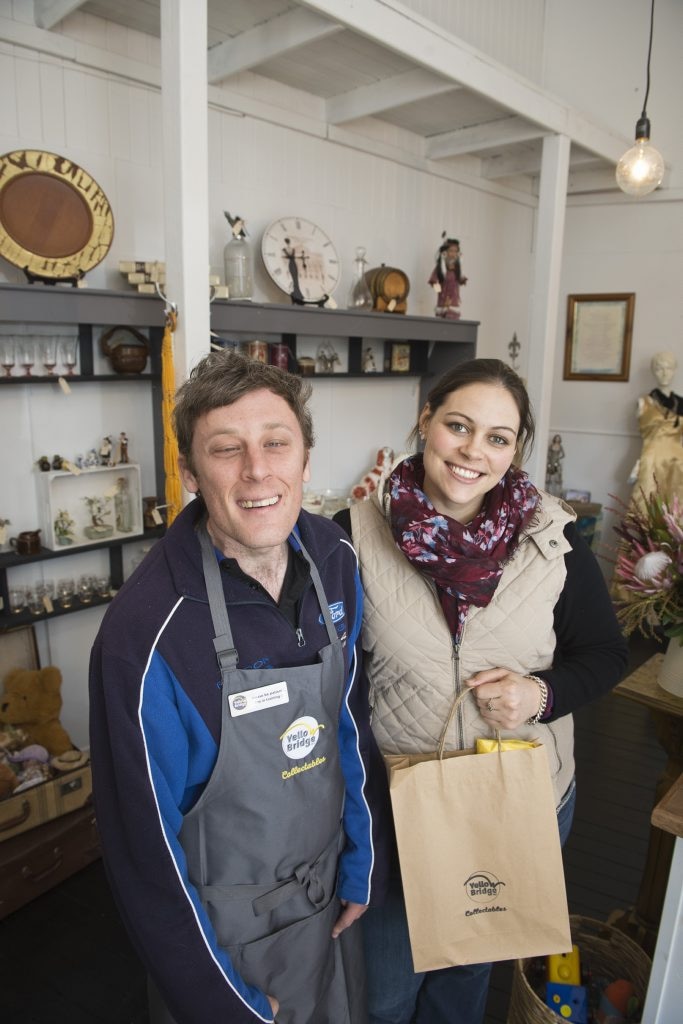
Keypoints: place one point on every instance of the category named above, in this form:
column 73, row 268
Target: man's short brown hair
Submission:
column 221, row 379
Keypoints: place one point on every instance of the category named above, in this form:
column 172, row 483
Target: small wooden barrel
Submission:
column 389, row 288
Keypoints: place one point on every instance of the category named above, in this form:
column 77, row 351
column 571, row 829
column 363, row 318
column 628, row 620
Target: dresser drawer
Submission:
column 34, row 861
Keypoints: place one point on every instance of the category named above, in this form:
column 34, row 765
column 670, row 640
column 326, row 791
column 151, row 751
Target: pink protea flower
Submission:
column 650, row 567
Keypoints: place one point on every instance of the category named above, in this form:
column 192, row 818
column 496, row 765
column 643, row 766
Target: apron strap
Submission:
column 223, row 642
column 322, row 600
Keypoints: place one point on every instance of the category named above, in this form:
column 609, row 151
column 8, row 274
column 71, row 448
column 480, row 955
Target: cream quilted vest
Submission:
column 413, row 668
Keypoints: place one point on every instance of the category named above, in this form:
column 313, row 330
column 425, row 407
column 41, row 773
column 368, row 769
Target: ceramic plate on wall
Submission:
column 55, row 221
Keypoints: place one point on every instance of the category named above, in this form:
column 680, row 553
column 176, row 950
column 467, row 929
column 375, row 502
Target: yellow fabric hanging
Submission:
column 173, row 485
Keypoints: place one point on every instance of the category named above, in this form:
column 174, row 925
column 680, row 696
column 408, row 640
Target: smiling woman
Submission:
column 475, row 582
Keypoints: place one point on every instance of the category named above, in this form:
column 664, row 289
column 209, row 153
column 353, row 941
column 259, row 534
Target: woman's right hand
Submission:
column 274, row 1005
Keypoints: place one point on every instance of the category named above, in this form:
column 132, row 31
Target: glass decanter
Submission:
column 360, row 296
column 237, row 261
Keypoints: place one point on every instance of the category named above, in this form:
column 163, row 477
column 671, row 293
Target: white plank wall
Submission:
column 271, row 152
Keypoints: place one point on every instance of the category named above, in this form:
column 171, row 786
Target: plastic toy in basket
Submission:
column 569, row 1002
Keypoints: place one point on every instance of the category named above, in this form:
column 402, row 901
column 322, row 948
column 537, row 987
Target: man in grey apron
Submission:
column 230, row 736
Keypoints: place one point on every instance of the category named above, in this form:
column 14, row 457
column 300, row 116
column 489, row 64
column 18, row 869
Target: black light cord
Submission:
column 649, row 54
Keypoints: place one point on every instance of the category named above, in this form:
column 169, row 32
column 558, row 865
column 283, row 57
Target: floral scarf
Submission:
column 465, row 561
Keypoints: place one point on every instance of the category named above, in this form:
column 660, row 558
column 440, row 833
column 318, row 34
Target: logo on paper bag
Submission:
column 483, row 887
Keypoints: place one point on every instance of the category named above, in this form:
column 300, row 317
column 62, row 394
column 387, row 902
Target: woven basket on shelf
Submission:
column 606, row 951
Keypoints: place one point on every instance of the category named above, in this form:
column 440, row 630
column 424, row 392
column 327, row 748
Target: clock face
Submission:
column 300, row 258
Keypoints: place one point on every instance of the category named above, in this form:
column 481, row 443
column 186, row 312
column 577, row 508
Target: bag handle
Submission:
column 454, row 706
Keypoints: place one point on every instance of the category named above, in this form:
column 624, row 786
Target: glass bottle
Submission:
column 237, row 263
column 360, row 296
column 122, row 506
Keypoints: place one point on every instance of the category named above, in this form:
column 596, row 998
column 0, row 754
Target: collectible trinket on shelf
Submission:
column 122, row 458
column 43, row 464
column 125, row 348
column 327, row 357
column 365, row 487
column 514, row 349
column 91, row 459
column 360, row 296
column 369, row 365
column 27, row 542
column 389, row 288
column 123, row 511
column 98, row 507
column 447, row 277
column 106, row 449
column 64, row 527
column 553, row 475
column 237, row 260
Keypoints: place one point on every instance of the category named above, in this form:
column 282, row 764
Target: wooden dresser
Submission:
column 36, row 860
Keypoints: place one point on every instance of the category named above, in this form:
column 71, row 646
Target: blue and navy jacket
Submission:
column 155, row 719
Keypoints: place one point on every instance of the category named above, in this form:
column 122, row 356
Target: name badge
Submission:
column 258, row 700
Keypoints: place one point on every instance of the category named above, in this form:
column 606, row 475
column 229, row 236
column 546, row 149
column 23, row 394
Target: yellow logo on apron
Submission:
column 300, row 737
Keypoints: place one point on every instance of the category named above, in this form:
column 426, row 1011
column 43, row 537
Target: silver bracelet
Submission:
column 543, row 687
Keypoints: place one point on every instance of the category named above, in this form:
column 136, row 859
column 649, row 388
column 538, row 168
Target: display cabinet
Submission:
column 84, row 312
column 422, row 346
column 403, row 345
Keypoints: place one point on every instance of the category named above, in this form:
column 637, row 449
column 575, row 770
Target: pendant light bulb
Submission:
column 641, row 168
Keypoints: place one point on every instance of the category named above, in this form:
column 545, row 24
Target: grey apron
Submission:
column 263, row 840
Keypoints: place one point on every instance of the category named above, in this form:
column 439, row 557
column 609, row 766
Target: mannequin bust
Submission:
column 660, row 420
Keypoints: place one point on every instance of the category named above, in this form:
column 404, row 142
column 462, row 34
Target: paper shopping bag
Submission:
column 480, row 856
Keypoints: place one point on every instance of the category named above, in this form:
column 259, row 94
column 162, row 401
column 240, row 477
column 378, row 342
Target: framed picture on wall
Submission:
column 18, row 648
column 598, row 338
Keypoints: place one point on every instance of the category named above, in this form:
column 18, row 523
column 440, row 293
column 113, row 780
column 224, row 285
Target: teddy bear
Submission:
column 32, row 700
column 368, row 484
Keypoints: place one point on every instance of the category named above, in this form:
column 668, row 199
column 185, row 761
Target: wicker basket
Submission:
column 605, row 950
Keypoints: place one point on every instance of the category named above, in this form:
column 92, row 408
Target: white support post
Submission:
column 545, row 293
column 665, row 989
column 184, row 105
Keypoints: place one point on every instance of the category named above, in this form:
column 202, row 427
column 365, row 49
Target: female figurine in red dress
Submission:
column 446, row 279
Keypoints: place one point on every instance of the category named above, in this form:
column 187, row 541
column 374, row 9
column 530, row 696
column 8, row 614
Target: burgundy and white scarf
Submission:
column 465, row 561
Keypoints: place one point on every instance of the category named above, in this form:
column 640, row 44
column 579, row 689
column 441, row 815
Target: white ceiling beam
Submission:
column 264, row 42
column 422, row 42
column 506, row 166
column 48, row 13
column 596, row 180
column 485, row 136
column 369, row 100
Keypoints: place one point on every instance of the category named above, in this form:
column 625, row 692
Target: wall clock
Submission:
column 55, row 220
column 301, row 260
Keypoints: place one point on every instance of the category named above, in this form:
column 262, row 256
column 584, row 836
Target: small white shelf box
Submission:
column 59, row 490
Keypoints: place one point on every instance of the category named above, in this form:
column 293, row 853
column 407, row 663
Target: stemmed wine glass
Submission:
column 69, row 348
column 49, row 354
column 27, row 355
column 8, row 355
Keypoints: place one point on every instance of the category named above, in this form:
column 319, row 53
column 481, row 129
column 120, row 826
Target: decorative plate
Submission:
column 55, row 220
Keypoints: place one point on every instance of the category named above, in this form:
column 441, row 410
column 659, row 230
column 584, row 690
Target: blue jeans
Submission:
column 453, row 995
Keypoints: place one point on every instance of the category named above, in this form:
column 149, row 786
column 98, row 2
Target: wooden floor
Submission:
column 65, row 958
